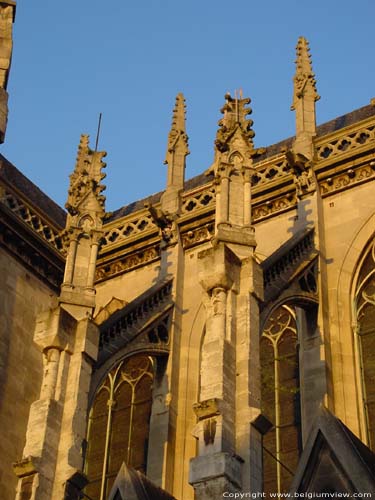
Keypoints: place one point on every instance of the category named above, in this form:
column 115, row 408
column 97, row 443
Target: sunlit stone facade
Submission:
column 214, row 339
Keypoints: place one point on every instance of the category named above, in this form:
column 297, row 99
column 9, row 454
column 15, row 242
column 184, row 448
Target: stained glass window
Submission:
column 365, row 317
column 119, row 424
column 280, row 399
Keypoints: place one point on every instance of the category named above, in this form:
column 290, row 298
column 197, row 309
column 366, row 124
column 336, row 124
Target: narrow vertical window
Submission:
column 119, row 424
column 365, row 322
column 280, row 399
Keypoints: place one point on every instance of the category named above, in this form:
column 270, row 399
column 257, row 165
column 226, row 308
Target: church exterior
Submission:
column 212, row 340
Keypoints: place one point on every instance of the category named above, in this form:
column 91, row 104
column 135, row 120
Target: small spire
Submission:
column 177, row 135
column 304, row 78
column 177, row 151
column 304, row 97
column 178, row 121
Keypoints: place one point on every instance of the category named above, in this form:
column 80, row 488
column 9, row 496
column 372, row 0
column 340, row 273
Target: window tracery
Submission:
column 364, row 304
column 118, row 426
column 280, row 398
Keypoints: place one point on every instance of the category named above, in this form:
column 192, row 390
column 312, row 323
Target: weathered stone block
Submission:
column 210, row 468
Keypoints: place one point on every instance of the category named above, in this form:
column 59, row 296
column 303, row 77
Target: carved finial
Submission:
column 232, row 169
column 235, row 113
column 304, row 78
column 177, row 135
column 86, row 178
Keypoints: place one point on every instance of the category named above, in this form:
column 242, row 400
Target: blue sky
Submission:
column 128, row 60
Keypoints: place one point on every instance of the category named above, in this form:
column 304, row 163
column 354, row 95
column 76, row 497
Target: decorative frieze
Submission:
column 274, row 206
column 348, row 178
column 128, row 262
column 198, row 235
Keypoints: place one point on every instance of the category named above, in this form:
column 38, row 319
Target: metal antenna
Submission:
column 236, row 105
column 98, row 132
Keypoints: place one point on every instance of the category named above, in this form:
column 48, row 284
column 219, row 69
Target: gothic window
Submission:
column 365, row 319
column 119, row 424
column 280, row 398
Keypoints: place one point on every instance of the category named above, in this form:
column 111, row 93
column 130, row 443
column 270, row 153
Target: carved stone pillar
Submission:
column 229, row 458
column 51, row 368
column 70, row 261
column 224, row 196
column 217, row 469
column 246, row 174
column 92, row 261
column 7, row 15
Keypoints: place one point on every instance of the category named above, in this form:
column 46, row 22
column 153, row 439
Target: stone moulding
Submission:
column 274, row 206
column 198, row 235
column 347, row 177
column 133, row 259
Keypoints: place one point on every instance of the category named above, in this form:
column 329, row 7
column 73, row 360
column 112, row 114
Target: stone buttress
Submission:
column 172, row 267
column 52, row 459
column 229, row 448
column 310, row 214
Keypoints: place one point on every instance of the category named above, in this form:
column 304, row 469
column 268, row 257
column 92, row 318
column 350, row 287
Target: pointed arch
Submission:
column 349, row 393
column 363, row 314
column 119, row 423
column 280, row 386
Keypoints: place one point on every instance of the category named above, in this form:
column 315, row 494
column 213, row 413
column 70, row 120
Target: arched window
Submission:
column 364, row 302
column 280, row 398
column 118, row 426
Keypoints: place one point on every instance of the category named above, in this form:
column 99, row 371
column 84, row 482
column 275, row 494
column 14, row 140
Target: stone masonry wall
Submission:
column 22, row 296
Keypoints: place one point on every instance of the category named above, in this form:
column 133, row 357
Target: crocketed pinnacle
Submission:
column 304, row 78
column 235, row 111
column 178, row 121
column 177, row 138
column 87, row 176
